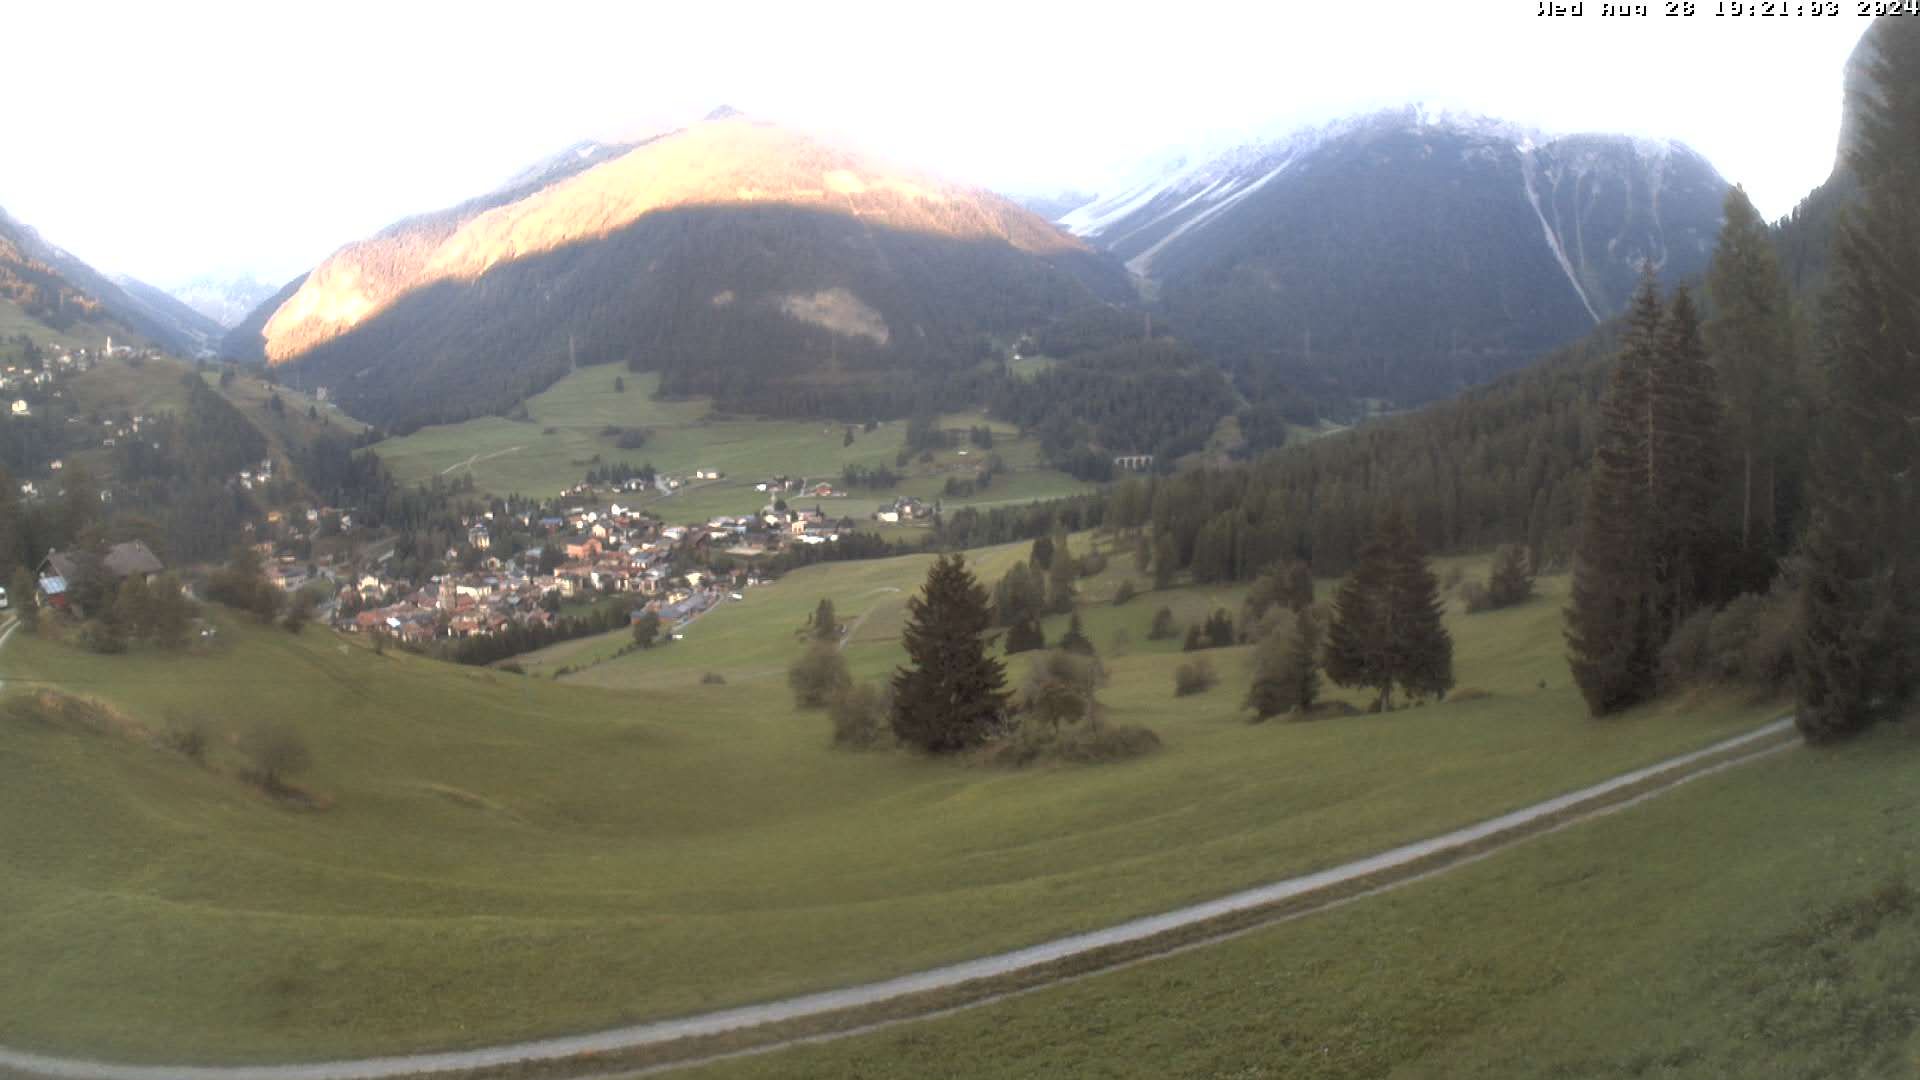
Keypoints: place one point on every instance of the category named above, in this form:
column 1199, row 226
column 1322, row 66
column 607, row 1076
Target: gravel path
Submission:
column 1589, row 801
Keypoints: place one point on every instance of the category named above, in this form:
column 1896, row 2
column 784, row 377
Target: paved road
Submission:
column 1594, row 799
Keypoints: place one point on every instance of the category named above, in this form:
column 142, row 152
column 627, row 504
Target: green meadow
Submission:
column 1761, row 923
column 563, row 439
column 504, row 856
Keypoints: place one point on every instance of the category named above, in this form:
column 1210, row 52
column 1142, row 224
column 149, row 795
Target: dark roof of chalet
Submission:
column 121, row 560
column 131, row 557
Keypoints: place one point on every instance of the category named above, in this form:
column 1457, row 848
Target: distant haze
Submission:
column 170, row 140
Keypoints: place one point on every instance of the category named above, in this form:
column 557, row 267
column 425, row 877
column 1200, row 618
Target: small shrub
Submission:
column 277, row 753
column 1683, row 659
column 514, row 667
column 1220, row 629
column 1081, row 744
column 1510, row 581
column 188, row 738
column 1162, row 628
column 819, row 674
column 1728, row 635
column 1060, row 686
column 1476, row 597
column 103, row 638
column 1094, row 745
column 1769, row 651
column 1092, row 564
column 1194, row 677
column 713, row 678
column 1124, row 593
column 859, row 715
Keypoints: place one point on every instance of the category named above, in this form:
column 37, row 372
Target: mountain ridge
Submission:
column 742, row 247
column 55, row 288
column 1405, row 253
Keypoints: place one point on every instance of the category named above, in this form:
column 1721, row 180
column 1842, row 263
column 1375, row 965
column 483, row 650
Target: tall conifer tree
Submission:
column 1751, row 341
column 1359, row 643
column 1858, row 649
column 1387, row 627
column 954, row 693
column 1610, row 624
column 1685, row 480
column 1422, row 650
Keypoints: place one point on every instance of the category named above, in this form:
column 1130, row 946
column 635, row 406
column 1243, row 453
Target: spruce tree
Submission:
column 953, row 694
column 1750, row 337
column 1421, row 649
column 1060, row 575
column 1042, row 554
column 1025, row 636
column 1510, row 581
column 1684, row 478
column 1299, row 586
column 1017, row 597
column 1166, row 561
column 1858, row 649
column 1610, row 628
column 1075, row 640
column 1360, row 642
column 1286, row 674
column 825, row 625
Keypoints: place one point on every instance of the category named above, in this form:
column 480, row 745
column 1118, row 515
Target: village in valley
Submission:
column 525, row 567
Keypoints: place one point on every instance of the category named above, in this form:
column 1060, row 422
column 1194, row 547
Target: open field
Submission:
column 251, row 394
column 141, row 387
column 526, row 457
column 1759, row 924
column 510, row 856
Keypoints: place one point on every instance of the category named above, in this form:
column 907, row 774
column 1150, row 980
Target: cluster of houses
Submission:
column 585, row 552
column 904, row 508
column 28, row 376
column 779, row 486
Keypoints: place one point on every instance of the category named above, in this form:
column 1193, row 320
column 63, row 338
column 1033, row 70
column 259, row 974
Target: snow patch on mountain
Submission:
column 1142, row 263
column 1553, row 240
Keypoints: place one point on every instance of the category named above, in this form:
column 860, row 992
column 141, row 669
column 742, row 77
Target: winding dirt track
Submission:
column 854, row 1009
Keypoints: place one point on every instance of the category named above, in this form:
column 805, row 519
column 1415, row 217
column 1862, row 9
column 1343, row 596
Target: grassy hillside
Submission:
column 1761, row 923
column 146, row 387
column 15, row 320
column 506, row 456
column 506, row 855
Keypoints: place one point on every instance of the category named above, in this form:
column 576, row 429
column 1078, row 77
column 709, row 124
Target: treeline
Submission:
column 1142, row 397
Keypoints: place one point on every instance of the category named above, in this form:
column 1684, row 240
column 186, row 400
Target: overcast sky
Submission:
column 168, row 139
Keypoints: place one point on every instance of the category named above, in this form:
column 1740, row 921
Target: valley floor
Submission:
column 508, row 857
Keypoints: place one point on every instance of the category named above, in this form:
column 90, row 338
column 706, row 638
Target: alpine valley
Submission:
column 1413, row 596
